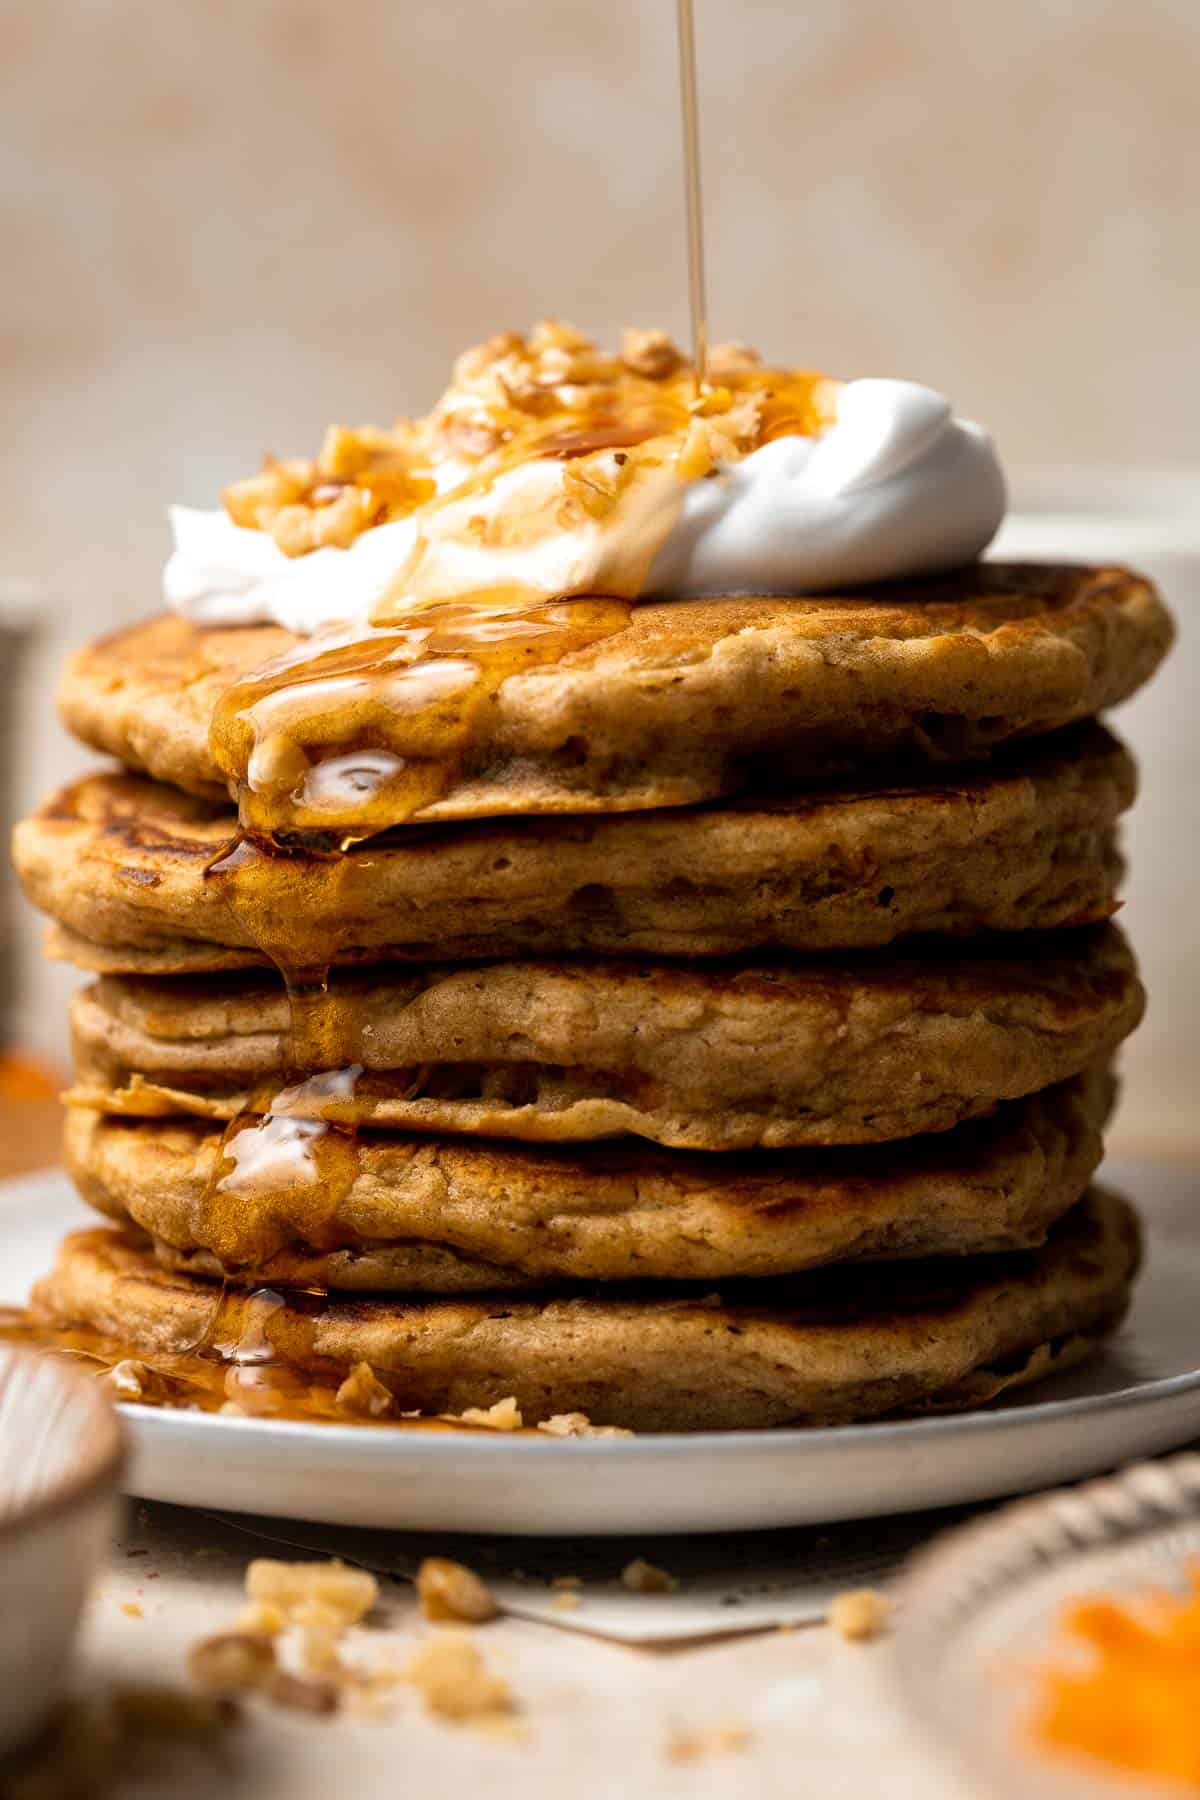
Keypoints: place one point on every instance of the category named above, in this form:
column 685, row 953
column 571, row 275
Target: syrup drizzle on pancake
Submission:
column 360, row 728
column 244, row 1376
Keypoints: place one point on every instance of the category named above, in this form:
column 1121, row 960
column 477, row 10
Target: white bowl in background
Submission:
column 62, row 1453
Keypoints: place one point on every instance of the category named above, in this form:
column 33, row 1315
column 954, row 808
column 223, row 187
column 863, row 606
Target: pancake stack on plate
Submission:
column 726, row 1044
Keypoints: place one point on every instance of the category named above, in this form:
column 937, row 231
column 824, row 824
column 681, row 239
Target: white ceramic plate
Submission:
column 1140, row 1397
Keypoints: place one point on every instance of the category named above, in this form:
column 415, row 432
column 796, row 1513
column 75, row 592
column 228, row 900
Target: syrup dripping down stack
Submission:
column 696, row 1014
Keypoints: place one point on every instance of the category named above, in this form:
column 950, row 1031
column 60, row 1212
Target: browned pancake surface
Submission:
column 123, row 864
column 696, row 699
column 751, row 1053
column 299, row 1205
column 826, row 1348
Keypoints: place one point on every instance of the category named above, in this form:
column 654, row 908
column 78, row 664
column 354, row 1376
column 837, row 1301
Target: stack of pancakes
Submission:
column 727, row 1045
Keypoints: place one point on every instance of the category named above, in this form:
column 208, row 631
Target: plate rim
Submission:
column 672, row 1483
column 679, row 1444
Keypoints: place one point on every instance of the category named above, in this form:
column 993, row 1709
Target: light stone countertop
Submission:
column 596, row 1718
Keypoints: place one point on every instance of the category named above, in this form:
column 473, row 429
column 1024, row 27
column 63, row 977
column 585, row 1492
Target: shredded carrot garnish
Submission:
column 1135, row 1701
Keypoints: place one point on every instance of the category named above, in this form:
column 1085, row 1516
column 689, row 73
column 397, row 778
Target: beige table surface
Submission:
column 597, row 1718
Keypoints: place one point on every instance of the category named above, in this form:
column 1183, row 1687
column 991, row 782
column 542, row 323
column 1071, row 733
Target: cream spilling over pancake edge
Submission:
column 554, row 467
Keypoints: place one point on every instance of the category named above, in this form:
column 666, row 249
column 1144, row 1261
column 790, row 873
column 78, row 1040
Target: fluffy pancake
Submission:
column 818, row 1349
column 123, row 864
column 696, row 699
column 298, row 1204
column 716, row 1056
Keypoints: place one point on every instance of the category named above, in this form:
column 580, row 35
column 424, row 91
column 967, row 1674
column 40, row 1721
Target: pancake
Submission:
column 691, row 700
column 825, row 1348
column 301, row 1205
column 123, row 864
column 714, row 1056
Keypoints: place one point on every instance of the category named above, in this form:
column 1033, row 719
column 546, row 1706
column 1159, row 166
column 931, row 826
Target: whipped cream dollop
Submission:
column 897, row 486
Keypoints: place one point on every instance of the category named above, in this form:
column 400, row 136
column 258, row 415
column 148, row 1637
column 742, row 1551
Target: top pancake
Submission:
column 701, row 698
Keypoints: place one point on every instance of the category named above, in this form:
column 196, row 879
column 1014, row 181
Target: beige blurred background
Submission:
column 230, row 222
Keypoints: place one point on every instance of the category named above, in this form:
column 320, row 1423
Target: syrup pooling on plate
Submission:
column 244, row 1376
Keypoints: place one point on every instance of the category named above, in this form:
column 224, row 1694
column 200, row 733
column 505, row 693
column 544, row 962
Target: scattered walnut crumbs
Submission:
column 304, row 1693
column 577, row 1424
column 454, row 1681
column 232, row 1662
column 504, row 1416
column 448, row 1590
column 650, row 353
column 687, row 1744
column 317, row 1604
column 307, row 1592
column 642, row 1577
column 363, row 1394
column 858, row 1614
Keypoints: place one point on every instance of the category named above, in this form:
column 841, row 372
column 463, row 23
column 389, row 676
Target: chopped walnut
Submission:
column 133, row 1380
column 455, row 1682
column 304, row 1693
column 467, row 436
column 233, row 1662
column 472, row 363
column 256, row 501
column 858, row 1614
column 344, row 453
column 581, row 367
column 263, row 1619
column 741, row 424
column 517, row 398
column 710, row 402
column 642, row 1577
column 689, row 1744
column 578, row 1424
column 315, row 1604
column 727, row 361
column 298, row 529
column 505, row 1415
column 556, row 334
column 319, row 1648
column 448, row 1590
column 696, row 455
column 364, row 1395
column 650, row 353
column 514, row 381
column 331, row 1589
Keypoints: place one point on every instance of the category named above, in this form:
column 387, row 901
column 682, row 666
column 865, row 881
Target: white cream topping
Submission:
column 896, row 487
